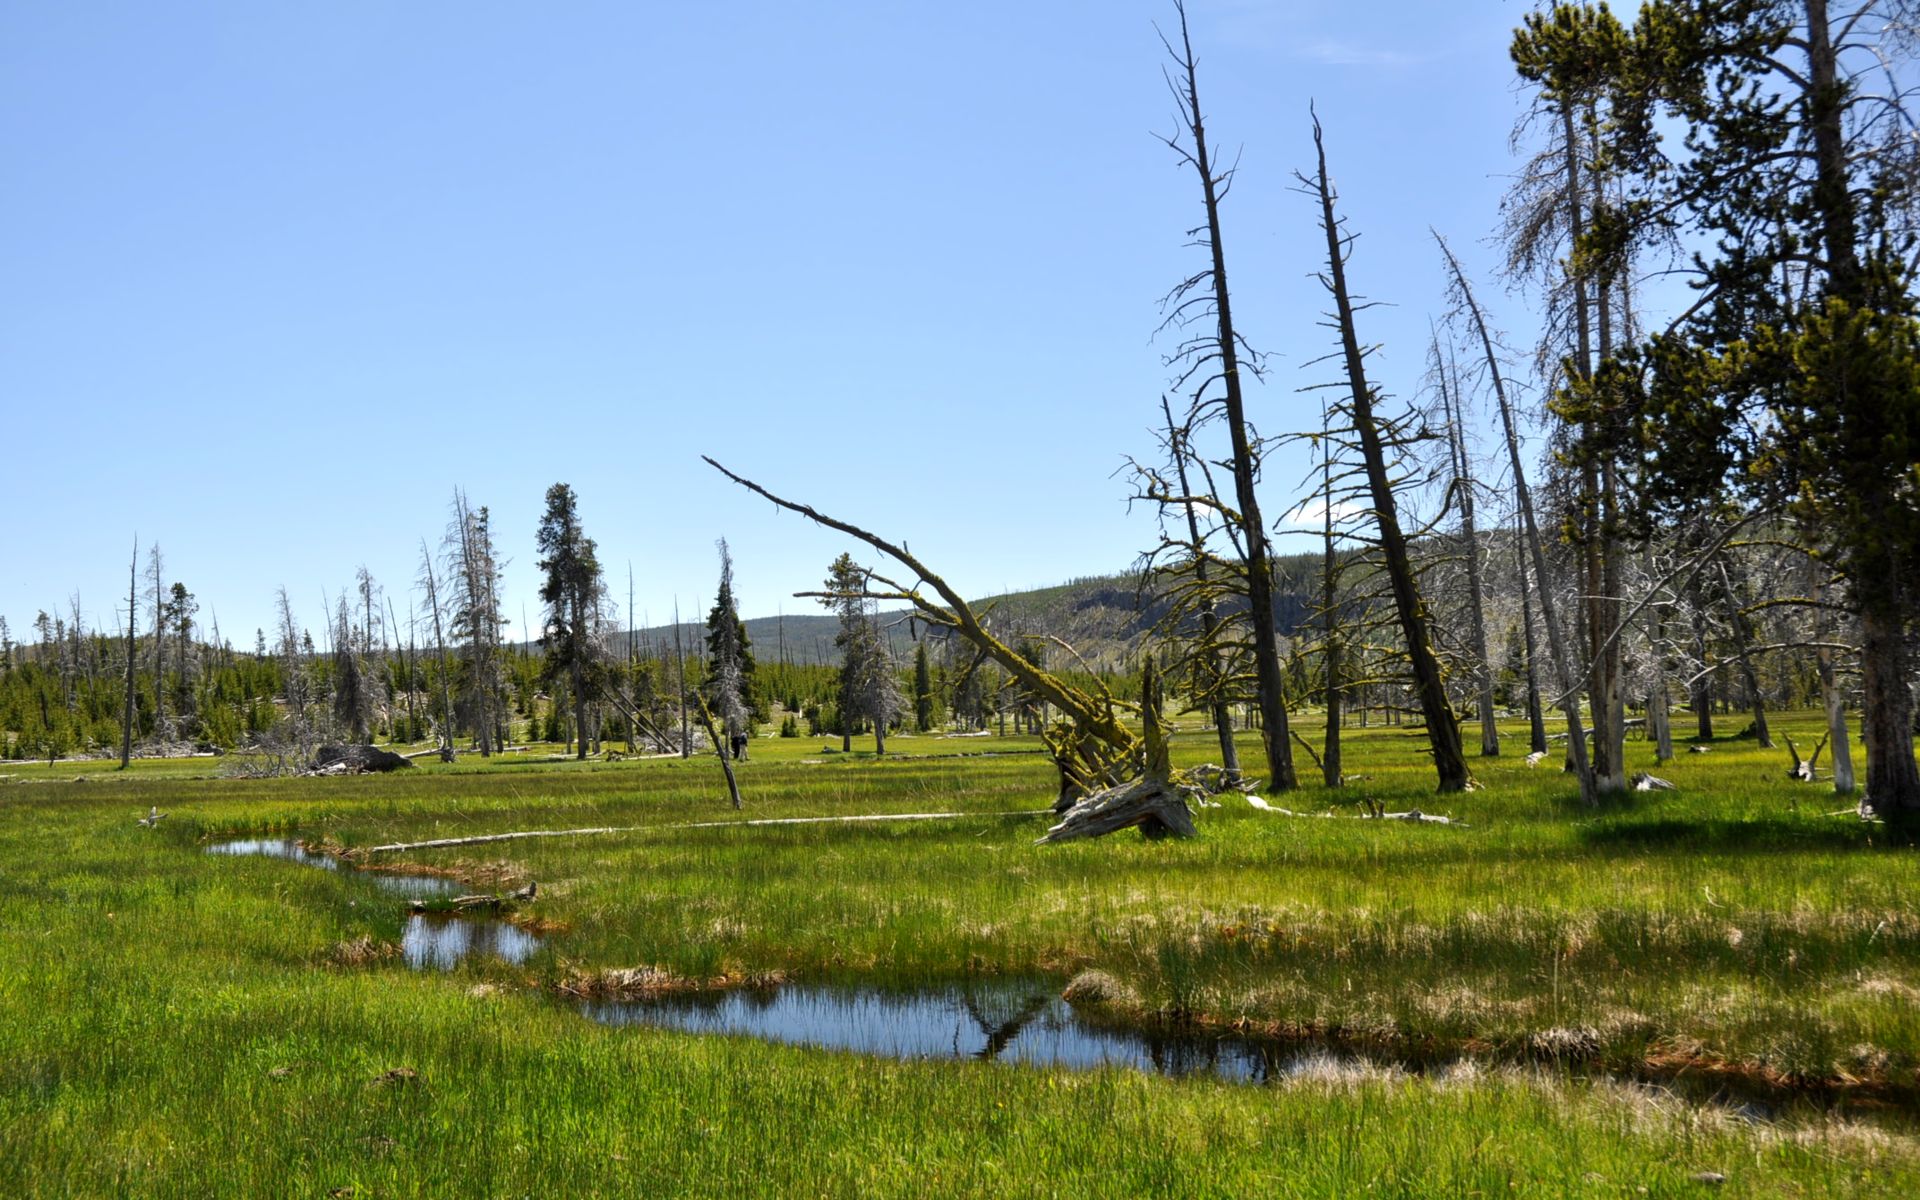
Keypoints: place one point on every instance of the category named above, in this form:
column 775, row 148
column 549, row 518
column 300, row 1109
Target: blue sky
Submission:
column 274, row 279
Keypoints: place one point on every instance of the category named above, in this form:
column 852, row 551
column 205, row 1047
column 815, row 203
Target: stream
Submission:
column 1020, row 1021
column 428, row 941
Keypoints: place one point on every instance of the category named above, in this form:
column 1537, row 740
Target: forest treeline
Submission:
column 1727, row 514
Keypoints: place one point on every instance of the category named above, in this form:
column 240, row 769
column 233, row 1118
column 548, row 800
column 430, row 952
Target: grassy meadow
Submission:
column 178, row 1023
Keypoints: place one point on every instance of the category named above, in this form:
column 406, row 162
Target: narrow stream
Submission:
column 1012, row 1021
column 429, row 941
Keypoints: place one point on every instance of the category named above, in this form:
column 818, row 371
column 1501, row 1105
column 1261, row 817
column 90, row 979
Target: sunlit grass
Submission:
column 173, row 1023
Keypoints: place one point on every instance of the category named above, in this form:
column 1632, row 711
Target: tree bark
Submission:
column 1886, row 723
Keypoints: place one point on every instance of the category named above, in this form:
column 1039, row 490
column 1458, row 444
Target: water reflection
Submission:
column 1023, row 1023
column 285, row 848
column 438, row 943
column 416, row 887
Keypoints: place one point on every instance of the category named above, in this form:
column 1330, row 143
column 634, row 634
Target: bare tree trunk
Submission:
column 1536, row 719
column 126, row 708
column 1556, row 643
column 155, row 571
column 1209, row 619
column 1608, row 772
column 1269, row 687
column 1744, row 644
column 1701, row 696
column 1659, row 704
column 1443, row 732
column 680, row 675
column 440, row 643
column 1333, row 652
column 1837, row 737
column 1476, row 609
column 720, row 746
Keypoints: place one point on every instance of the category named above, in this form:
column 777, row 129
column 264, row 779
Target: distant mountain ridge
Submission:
column 1105, row 618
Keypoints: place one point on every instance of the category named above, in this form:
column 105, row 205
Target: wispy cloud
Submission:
column 1311, row 514
column 1345, row 54
column 1283, row 26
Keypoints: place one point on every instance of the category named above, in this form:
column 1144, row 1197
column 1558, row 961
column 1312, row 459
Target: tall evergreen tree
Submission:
column 1793, row 384
column 729, row 660
column 571, row 593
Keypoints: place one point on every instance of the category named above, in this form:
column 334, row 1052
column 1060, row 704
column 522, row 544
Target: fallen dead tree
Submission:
column 601, row 830
column 1095, row 752
column 489, row 902
column 1374, row 812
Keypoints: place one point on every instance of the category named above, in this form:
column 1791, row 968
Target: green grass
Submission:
column 148, row 992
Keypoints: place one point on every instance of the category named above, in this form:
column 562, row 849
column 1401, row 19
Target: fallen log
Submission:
column 1375, row 813
column 1644, row 782
column 592, row 831
column 491, row 902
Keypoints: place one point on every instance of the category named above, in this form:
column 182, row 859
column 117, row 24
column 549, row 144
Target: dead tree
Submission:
column 1208, row 656
column 1332, row 652
column 1563, row 667
column 443, row 728
column 1443, row 731
column 1092, row 747
column 1452, row 404
column 126, row 706
column 1215, row 357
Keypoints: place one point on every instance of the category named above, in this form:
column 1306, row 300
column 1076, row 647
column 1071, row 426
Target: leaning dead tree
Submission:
column 1443, row 729
column 1461, row 488
column 1091, row 745
column 1557, row 649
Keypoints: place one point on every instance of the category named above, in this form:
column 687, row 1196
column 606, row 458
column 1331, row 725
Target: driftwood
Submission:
column 493, row 902
column 1644, row 782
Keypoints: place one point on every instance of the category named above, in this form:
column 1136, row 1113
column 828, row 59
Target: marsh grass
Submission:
column 149, row 993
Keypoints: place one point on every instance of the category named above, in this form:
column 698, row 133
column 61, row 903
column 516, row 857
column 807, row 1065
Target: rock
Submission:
column 355, row 757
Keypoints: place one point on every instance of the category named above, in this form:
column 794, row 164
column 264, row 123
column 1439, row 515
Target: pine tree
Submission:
column 571, row 593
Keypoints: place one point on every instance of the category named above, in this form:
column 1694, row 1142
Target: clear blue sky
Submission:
column 275, row 278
